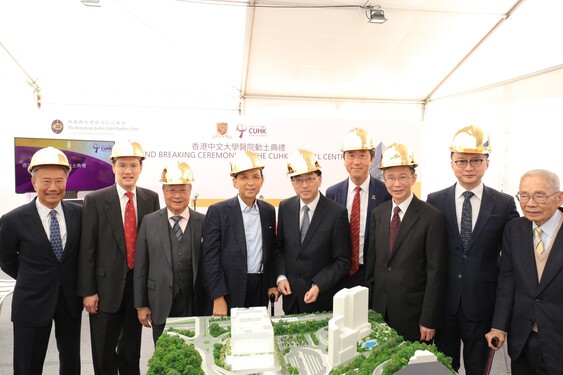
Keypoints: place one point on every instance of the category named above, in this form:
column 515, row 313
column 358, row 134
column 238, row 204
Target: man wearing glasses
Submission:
column 406, row 262
column 529, row 306
column 168, row 273
column 111, row 217
column 476, row 216
column 313, row 241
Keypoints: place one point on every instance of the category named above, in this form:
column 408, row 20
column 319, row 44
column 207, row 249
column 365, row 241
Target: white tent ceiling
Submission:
column 210, row 54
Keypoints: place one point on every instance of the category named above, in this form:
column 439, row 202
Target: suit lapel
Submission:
column 71, row 221
column 265, row 229
column 524, row 244
column 114, row 217
column 409, row 219
column 196, row 228
column 554, row 263
column 318, row 216
column 342, row 193
column 487, row 205
column 235, row 217
column 32, row 220
column 163, row 231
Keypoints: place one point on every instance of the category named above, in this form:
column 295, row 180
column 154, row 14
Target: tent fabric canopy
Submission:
column 213, row 54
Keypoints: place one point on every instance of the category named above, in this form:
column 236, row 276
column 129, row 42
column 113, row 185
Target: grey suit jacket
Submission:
column 323, row 258
column 225, row 253
column 407, row 285
column 154, row 271
column 27, row 256
column 102, row 261
column 522, row 300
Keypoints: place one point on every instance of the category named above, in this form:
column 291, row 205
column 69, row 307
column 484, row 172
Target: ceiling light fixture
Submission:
column 376, row 14
column 91, row 3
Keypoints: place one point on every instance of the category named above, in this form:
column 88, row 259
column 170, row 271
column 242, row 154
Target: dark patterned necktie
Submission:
column 395, row 224
column 466, row 220
column 176, row 228
column 55, row 235
column 305, row 222
column 355, row 232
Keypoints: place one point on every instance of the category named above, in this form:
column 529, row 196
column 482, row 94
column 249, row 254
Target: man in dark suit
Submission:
column 358, row 150
column 313, row 240
column 407, row 259
column 529, row 303
column 238, row 242
column 39, row 243
column 106, row 262
column 168, row 263
column 473, row 263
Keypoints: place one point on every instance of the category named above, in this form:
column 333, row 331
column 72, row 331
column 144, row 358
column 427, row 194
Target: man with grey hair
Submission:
column 39, row 244
column 528, row 306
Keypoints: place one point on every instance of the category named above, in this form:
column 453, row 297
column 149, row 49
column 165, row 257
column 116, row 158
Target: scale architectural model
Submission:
column 351, row 339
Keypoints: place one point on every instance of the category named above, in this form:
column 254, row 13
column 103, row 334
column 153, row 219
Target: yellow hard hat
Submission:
column 127, row 149
column 180, row 175
column 245, row 161
column 302, row 161
column 48, row 156
column 357, row 139
column 472, row 140
column 397, row 155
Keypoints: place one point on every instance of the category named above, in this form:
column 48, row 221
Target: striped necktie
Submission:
column 176, row 228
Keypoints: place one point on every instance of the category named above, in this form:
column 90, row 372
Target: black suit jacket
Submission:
column 154, row 271
column 522, row 300
column 102, row 262
column 27, row 256
column 377, row 194
column 323, row 258
column 472, row 275
column 407, row 285
column 225, row 253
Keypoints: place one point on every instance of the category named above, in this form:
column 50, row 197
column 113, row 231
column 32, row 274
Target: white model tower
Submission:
column 348, row 325
column 252, row 340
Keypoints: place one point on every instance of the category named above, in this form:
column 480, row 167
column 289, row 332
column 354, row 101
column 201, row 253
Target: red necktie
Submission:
column 355, row 232
column 130, row 226
column 395, row 223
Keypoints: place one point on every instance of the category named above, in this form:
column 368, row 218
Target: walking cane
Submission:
column 272, row 300
column 491, row 356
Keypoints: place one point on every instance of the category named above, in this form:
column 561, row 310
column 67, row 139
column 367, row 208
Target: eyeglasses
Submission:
column 176, row 191
column 539, row 198
column 47, row 182
column 124, row 166
column 300, row 181
column 392, row 179
column 474, row 162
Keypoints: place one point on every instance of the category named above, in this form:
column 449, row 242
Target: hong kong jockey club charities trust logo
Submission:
column 241, row 128
column 57, row 126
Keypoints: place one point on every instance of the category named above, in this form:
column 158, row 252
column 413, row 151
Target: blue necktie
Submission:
column 55, row 235
column 466, row 220
column 176, row 228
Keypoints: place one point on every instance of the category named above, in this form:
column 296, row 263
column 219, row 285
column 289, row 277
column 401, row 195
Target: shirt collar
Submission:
column 477, row 191
column 45, row 211
column 352, row 186
column 405, row 204
column 121, row 191
column 312, row 205
column 243, row 205
column 551, row 225
column 185, row 214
